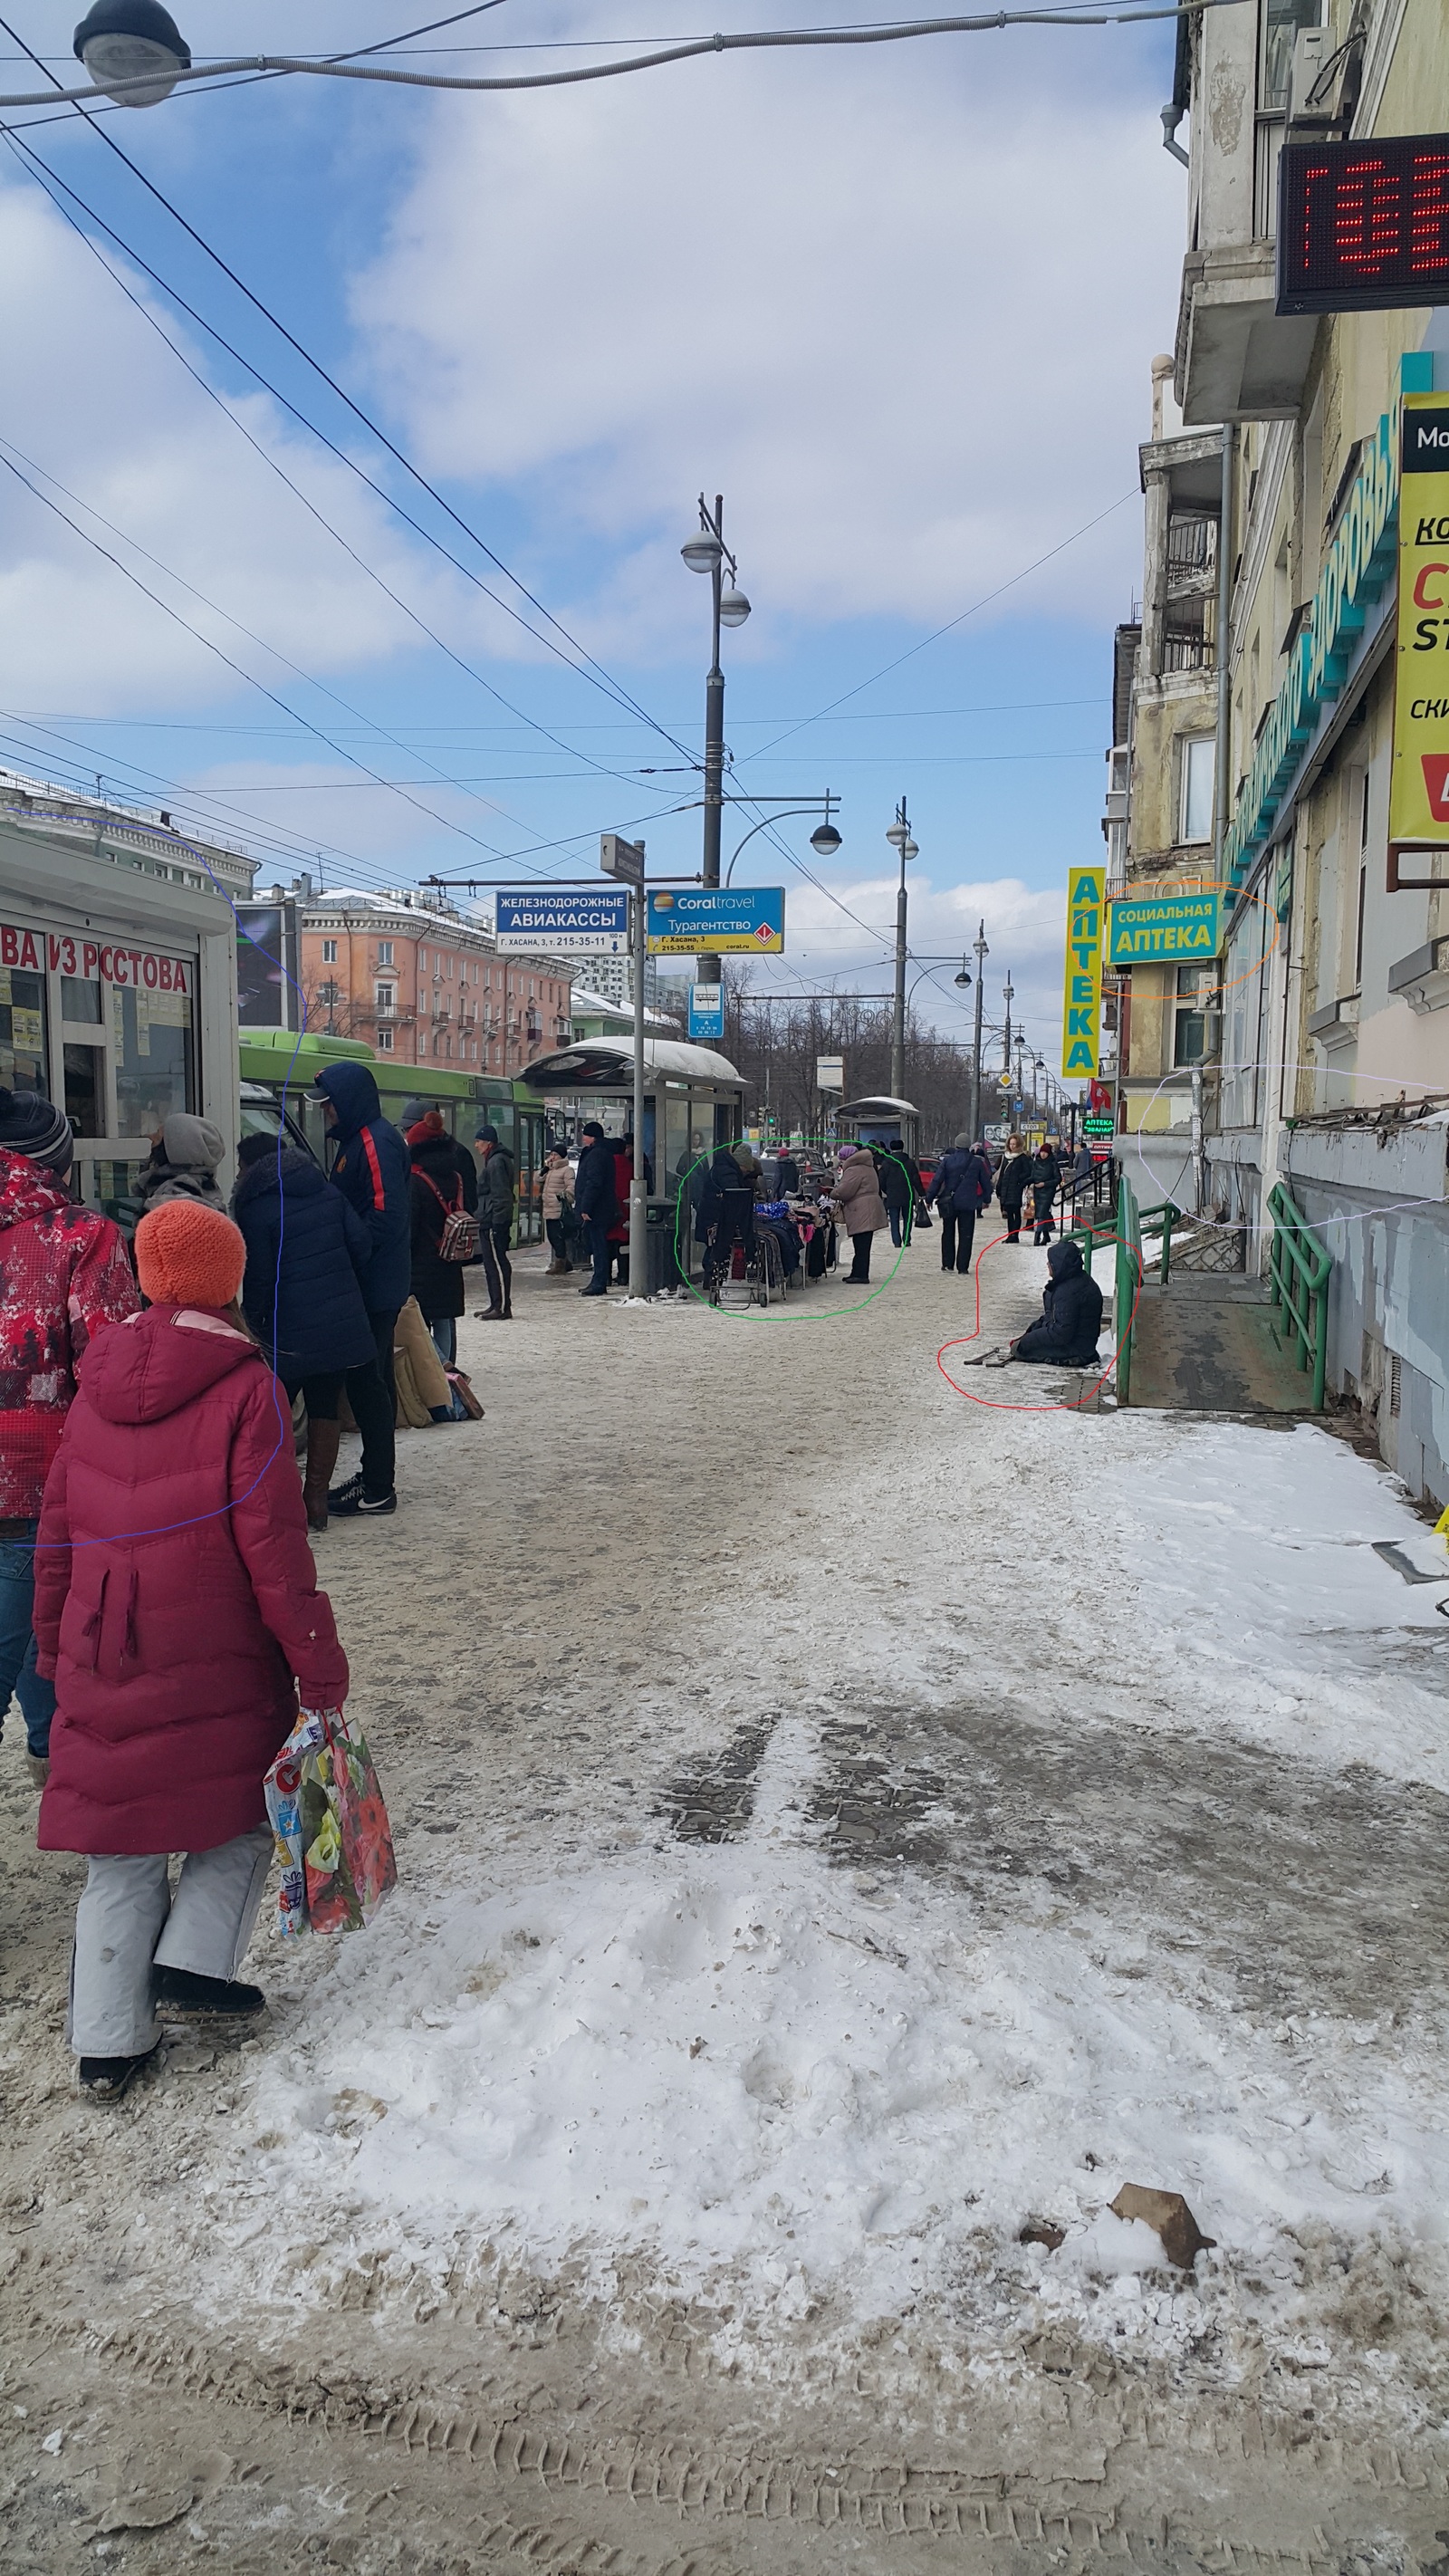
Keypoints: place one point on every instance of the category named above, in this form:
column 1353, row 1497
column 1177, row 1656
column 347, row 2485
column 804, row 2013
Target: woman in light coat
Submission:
column 557, row 1195
column 859, row 1208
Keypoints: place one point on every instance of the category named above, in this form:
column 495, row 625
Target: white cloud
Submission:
column 102, row 407
column 1025, row 926
column 898, row 304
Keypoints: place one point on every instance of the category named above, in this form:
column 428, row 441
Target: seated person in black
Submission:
column 1071, row 1319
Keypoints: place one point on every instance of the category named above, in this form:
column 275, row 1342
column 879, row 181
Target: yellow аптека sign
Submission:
column 1419, row 781
column 1082, row 1015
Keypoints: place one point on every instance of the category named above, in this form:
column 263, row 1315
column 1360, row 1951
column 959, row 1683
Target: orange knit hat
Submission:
column 189, row 1255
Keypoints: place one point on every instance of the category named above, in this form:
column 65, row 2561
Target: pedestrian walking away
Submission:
column 63, row 1277
column 1045, row 1182
column 372, row 1169
column 900, row 1187
column 596, row 1204
column 302, row 1295
column 185, row 1154
column 497, row 1194
column 623, row 1189
column 178, row 1615
column 1011, row 1185
column 960, row 1189
column 860, row 1209
column 444, row 1234
column 556, row 1203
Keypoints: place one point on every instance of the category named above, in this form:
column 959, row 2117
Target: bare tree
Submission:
column 775, row 1045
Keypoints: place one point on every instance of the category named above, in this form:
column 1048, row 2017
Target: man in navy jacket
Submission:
column 372, row 1169
column 961, row 1188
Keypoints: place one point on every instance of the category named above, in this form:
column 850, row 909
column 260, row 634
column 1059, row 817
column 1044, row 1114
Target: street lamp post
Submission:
column 899, row 836
column 729, row 607
column 1008, row 991
column 982, row 953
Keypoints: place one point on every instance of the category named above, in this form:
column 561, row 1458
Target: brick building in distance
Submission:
column 418, row 981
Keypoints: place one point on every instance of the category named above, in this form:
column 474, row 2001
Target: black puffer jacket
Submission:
column 1012, row 1180
column 307, row 1256
column 1071, row 1314
column 435, row 1189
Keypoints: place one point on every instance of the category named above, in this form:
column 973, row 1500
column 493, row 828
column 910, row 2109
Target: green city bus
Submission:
column 278, row 1070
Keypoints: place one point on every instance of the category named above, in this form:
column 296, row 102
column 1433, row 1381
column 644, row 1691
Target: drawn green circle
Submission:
column 740, row 1312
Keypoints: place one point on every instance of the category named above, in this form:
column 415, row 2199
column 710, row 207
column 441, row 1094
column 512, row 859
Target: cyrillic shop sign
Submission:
column 1182, row 927
column 1357, row 566
column 1419, row 779
column 1082, row 1014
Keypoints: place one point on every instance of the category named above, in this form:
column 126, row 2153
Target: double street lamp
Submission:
column 707, row 553
column 898, row 834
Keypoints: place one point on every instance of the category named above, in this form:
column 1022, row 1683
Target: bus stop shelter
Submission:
column 693, row 1101
column 877, row 1118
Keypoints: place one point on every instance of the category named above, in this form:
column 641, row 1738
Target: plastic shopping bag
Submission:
column 334, row 1843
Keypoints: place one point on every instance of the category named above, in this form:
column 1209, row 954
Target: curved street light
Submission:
column 133, row 50
column 824, row 840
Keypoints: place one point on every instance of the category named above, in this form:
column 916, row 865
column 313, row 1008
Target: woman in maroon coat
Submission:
column 177, row 1610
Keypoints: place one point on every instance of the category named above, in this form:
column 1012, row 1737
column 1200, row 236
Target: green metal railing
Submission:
column 1298, row 1273
column 1126, row 1236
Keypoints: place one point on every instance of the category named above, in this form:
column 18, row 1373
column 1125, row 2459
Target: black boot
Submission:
column 184, row 1996
column 105, row 2079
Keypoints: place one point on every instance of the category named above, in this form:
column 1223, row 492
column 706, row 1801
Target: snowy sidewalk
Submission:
column 843, row 1825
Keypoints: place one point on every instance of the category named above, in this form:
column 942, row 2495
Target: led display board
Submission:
column 1363, row 226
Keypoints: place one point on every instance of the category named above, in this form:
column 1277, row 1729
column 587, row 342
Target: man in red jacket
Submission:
column 63, row 1274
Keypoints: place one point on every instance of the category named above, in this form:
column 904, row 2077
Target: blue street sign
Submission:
column 570, row 921
column 688, row 921
column 706, row 1010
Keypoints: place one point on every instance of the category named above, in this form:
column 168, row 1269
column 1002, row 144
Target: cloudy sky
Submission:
column 897, row 303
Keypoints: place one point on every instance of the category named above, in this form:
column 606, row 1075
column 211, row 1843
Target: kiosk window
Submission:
column 155, row 1059
column 22, row 1031
column 80, row 1000
column 85, row 1090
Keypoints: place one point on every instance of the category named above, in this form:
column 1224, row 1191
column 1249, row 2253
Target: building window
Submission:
column 1196, row 987
column 384, row 1041
column 384, row 952
column 1195, row 814
column 385, row 995
column 329, row 952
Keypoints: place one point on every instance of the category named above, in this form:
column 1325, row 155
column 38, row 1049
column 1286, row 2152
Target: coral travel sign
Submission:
column 1082, row 1015
column 1419, row 779
column 1363, row 227
column 716, row 920
column 1182, row 927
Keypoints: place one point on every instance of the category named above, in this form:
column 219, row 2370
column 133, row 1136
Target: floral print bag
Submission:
column 334, row 1843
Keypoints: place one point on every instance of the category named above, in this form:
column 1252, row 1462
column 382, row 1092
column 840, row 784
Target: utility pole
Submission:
column 707, row 553
column 982, row 953
column 1009, row 995
column 899, row 836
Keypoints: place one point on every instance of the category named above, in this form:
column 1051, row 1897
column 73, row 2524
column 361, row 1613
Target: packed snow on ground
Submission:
column 721, row 2072
column 736, row 2073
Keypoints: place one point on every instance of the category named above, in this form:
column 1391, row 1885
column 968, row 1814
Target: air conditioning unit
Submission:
column 1312, row 47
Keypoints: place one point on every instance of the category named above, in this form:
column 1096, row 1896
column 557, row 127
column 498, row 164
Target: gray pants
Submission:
column 128, row 1920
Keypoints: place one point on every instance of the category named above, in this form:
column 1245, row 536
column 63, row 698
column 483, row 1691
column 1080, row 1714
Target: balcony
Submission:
column 1235, row 359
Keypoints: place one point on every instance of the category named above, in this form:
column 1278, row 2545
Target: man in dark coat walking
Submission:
column 961, row 1188
column 900, row 1186
column 496, row 1198
column 596, row 1204
column 372, row 1169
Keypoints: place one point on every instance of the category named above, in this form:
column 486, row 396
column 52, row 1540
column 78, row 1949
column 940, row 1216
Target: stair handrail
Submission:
column 1299, row 1267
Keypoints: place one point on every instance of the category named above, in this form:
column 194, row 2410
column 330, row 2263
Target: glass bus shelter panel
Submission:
column 151, row 1042
column 23, row 1054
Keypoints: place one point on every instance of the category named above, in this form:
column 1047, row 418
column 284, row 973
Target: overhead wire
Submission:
column 589, row 667
column 50, row 181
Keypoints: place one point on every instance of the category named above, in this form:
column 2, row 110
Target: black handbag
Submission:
column 923, row 1216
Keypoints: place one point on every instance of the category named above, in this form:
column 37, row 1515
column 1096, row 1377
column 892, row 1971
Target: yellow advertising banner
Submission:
column 1082, row 1015
column 1419, row 780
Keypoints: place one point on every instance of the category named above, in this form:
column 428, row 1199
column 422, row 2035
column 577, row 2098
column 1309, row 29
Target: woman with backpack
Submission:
column 177, row 1612
column 444, row 1234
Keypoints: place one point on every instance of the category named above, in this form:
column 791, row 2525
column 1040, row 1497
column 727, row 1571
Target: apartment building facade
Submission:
column 421, row 982
column 1314, row 1052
